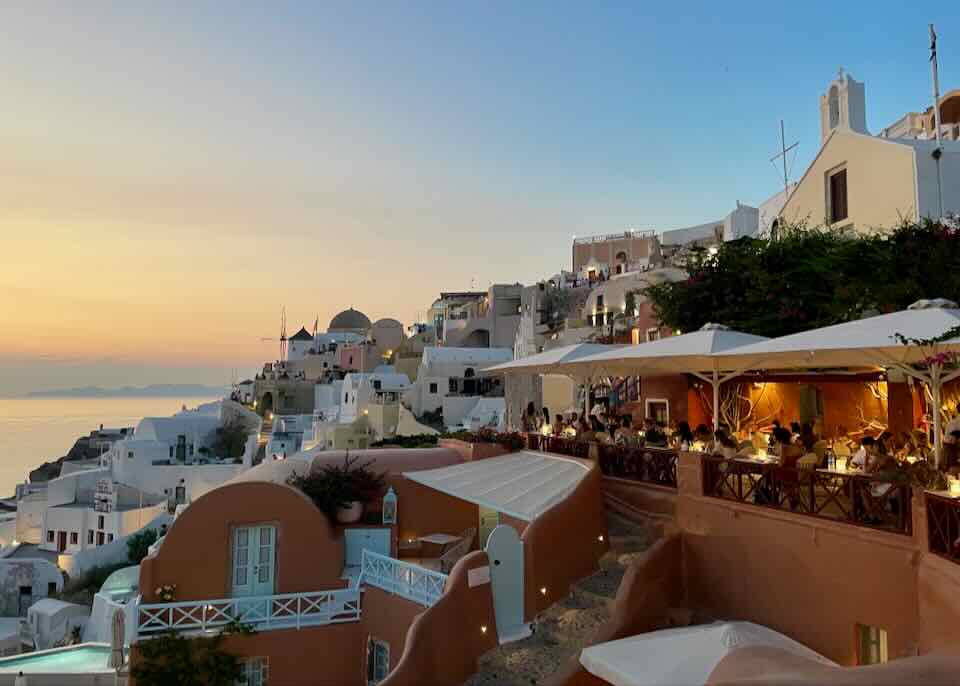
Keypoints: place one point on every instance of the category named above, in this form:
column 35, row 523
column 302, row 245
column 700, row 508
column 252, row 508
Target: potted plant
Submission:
column 341, row 491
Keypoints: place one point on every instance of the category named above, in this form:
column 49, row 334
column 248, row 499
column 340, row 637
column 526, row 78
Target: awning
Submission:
column 523, row 485
column 545, row 362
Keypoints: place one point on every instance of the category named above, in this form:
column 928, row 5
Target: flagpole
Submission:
column 938, row 151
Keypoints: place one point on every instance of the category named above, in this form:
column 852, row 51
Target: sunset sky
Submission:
column 172, row 173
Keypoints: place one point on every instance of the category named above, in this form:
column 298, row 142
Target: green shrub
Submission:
column 138, row 545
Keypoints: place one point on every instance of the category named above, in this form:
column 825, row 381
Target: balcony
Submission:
column 852, row 498
column 421, row 585
column 262, row 613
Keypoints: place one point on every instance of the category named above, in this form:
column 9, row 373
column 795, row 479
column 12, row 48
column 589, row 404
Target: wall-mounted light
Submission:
column 543, row 590
column 600, row 538
column 483, row 628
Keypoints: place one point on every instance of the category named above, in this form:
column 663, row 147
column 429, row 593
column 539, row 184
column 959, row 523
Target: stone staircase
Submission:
column 561, row 631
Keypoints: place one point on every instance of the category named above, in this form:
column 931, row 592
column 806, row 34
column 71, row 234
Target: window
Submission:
column 871, row 645
column 100, row 521
column 130, row 454
column 90, row 537
column 254, row 672
column 50, row 536
column 837, row 195
column 171, row 451
column 51, row 588
column 653, row 335
column 433, row 388
column 377, row 384
column 658, row 409
column 600, row 301
column 109, row 538
column 378, row 661
column 181, row 495
column 74, row 538
column 452, row 385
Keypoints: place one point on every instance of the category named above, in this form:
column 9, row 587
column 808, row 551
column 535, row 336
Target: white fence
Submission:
column 412, row 582
column 262, row 613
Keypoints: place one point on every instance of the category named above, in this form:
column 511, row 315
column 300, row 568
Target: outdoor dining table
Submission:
column 441, row 540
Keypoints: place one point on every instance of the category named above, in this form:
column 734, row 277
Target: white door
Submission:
column 358, row 540
column 254, row 560
column 505, row 551
column 489, row 519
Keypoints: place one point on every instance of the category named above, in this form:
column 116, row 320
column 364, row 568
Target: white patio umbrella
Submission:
column 547, row 362
column 869, row 343
column 695, row 353
column 118, row 634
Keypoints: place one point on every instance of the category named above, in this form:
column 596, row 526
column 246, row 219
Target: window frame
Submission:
column 647, row 402
column 656, row 334
column 831, row 174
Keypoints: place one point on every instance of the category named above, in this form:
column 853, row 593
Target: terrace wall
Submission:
column 444, row 642
column 579, row 522
column 422, row 510
column 388, row 617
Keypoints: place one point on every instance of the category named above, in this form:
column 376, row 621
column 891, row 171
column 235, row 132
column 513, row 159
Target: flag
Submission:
column 933, row 44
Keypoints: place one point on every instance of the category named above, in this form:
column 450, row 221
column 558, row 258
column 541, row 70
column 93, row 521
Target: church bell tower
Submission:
column 843, row 106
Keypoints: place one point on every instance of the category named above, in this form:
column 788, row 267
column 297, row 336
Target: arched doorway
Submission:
column 620, row 263
column 265, row 405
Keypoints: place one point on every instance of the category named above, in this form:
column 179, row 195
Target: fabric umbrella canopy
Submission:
column 547, row 361
column 695, row 353
column 872, row 342
column 117, row 637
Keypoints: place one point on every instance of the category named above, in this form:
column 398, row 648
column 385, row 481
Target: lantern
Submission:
column 390, row 507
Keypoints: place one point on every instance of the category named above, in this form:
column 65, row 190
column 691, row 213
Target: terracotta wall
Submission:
column 444, row 642
column 197, row 551
column 473, row 451
column 579, row 522
column 388, row 617
column 651, row 586
column 900, row 408
column 811, row 579
column 330, row 655
column 651, row 499
column 422, row 510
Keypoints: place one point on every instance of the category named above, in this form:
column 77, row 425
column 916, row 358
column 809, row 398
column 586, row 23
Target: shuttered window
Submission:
column 838, row 196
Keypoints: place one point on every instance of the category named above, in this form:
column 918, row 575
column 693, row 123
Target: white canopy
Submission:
column 867, row 342
column 684, row 656
column 523, row 485
column 547, row 361
column 697, row 351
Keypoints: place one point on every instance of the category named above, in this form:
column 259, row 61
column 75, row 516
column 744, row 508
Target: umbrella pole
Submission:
column 586, row 398
column 716, row 398
column 935, row 382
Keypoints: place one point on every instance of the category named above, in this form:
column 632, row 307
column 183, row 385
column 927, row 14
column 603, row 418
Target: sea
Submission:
column 38, row 430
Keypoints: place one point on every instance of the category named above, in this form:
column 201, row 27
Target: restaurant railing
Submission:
column 943, row 526
column 850, row 498
column 649, row 465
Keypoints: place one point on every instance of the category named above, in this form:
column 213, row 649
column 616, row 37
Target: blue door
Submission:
column 505, row 551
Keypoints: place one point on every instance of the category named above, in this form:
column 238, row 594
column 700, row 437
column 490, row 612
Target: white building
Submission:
column 24, row 581
column 448, row 379
column 166, row 461
column 381, row 386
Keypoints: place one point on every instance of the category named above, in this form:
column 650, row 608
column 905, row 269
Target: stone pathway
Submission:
column 561, row 631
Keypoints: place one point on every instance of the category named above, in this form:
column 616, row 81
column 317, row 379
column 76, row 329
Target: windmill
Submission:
column 283, row 335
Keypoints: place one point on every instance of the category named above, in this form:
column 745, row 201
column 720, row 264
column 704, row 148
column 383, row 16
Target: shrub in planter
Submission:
column 338, row 487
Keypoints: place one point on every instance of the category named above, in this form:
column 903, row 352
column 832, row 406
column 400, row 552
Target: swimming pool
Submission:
column 79, row 659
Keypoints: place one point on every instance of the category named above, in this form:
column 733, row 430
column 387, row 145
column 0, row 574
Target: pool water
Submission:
column 72, row 660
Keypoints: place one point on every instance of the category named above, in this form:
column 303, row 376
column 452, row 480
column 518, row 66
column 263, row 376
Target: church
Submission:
column 865, row 183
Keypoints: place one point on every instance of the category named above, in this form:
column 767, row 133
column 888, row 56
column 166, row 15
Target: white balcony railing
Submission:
column 413, row 582
column 283, row 611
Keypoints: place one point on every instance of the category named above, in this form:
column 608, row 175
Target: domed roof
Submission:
column 388, row 322
column 349, row 320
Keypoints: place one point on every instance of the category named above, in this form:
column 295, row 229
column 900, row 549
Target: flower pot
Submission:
column 350, row 514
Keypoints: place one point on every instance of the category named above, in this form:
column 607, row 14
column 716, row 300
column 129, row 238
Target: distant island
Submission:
column 155, row 391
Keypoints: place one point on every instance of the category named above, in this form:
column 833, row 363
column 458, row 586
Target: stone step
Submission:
column 573, row 621
column 603, row 584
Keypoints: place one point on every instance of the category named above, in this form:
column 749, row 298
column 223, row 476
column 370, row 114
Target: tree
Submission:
column 138, row 545
column 174, row 659
column 809, row 278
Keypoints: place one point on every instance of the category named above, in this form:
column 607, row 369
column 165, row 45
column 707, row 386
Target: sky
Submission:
column 173, row 174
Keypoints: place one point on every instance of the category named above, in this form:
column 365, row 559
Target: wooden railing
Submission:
column 649, row 465
column 943, row 526
column 851, row 498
